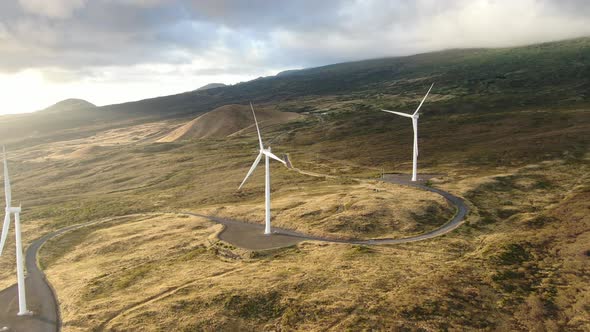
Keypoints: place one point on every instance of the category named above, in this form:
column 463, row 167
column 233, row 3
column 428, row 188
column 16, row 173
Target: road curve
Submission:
column 287, row 236
column 42, row 300
column 284, row 237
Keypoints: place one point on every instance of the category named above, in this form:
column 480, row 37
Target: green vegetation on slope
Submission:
column 473, row 80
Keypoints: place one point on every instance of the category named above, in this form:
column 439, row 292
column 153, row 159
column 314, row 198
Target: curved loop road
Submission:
column 43, row 303
column 250, row 236
column 41, row 299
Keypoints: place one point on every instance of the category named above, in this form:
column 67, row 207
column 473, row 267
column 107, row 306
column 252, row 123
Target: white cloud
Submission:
column 369, row 29
column 52, row 8
column 155, row 47
column 141, row 3
column 487, row 23
column 3, row 32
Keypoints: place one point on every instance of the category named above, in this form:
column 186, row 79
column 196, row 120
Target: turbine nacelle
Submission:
column 267, row 152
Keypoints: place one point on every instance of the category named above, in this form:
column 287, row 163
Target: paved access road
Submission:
column 42, row 300
column 250, row 236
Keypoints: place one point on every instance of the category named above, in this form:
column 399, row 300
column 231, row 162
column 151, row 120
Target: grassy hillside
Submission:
column 518, row 263
column 507, row 129
column 549, row 74
column 473, row 80
column 227, row 120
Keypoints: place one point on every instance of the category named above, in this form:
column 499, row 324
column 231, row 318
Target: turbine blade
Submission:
column 251, row 170
column 5, row 228
column 270, row 154
column 423, row 99
column 7, row 191
column 257, row 129
column 399, row 113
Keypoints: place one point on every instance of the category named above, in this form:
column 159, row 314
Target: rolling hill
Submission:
column 211, row 86
column 551, row 74
column 225, row 121
column 68, row 105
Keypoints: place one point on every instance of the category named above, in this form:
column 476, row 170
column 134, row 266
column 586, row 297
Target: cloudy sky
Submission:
column 110, row 51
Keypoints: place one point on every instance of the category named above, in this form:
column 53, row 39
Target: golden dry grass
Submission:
column 500, row 273
column 166, row 272
column 356, row 210
column 90, row 146
column 30, row 231
column 225, row 121
column 162, row 272
column 519, row 263
column 123, row 255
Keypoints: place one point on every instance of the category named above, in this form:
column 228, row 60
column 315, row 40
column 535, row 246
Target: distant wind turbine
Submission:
column 20, row 272
column 267, row 154
column 414, row 118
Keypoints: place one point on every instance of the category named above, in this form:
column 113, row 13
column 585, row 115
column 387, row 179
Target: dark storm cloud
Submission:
column 241, row 36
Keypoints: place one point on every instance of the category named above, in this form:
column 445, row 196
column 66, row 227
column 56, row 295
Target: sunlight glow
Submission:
column 30, row 90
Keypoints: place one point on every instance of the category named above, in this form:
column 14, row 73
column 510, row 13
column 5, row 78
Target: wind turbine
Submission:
column 20, row 272
column 267, row 154
column 414, row 118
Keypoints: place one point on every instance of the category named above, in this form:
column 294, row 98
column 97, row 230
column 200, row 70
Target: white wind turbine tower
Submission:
column 20, row 272
column 414, row 118
column 267, row 154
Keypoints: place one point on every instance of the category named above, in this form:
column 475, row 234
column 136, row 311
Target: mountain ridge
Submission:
column 225, row 121
column 69, row 105
column 552, row 74
column 211, row 86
